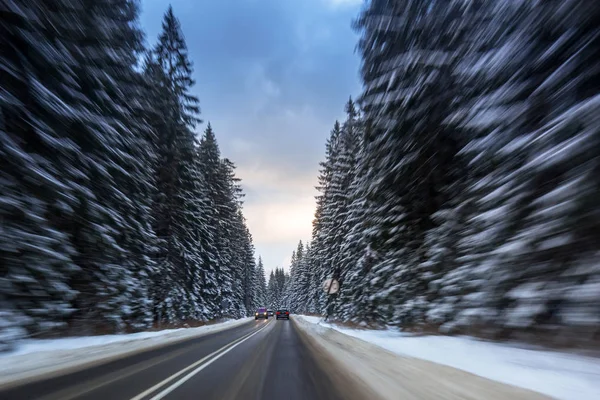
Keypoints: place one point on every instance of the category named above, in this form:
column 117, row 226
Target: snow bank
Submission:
column 37, row 357
column 391, row 376
column 560, row 375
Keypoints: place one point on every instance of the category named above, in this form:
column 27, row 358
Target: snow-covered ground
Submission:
column 36, row 357
column 556, row 374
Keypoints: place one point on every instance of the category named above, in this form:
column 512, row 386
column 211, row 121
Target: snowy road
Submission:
column 256, row 360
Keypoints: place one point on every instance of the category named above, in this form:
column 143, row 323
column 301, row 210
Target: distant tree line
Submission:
column 276, row 289
column 114, row 215
column 463, row 195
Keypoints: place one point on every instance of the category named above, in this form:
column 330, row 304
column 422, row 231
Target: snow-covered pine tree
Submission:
column 272, row 291
column 172, row 56
column 491, row 91
column 275, row 289
column 114, row 266
column 204, row 249
column 224, row 209
column 95, row 157
column 237, row 234
column 287, row 293
column 36, row 151
column 281, row 279
column 260, row 286
column 83, row 129
column 163, row 202
column 547, row 184
column 248, row 268
column 408, row 50
column 301, row 281
column 323, row 225
column 475, row 178
column 354, row 244
column 181, row 208
column 236, row 299
column 314, row 286
column 518, row 268
column 134, row 177
column 231, row 212
column 339, row 188
column 315, row 266
column 292, row 295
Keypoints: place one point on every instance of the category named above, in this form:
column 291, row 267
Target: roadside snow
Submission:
column 316, row 320
column 36, row 357
column 391, row 376
column 560, row 375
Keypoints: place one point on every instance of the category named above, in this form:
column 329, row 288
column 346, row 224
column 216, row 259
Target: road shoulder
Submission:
column 391, row 376
column 341, row 377
column 19, row 369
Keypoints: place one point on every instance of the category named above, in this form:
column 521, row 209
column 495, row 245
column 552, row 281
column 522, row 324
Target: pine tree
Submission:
column 260, row 285
column 281, row 278
column 231, row 217
column 539, row 191
column 471, row 176
column 354, row 245
column 325, row 258
column 223, row 210
column 296, row 274
column 407, row 70
column 36, row 256
column 272, row 291
column 241, row 249
column 323, row 225
column 104, row 235
column 172, row 56
column 181, row 207
column 248, row 269
column 83, row 127
column 279, row 292
column 132, row 169
column 343, row 170
column 106, row 214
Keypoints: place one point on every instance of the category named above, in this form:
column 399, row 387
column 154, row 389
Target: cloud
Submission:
column 280, row 141
column 286, row 262
column 265, row 90
column 281, row 221
column 273, row 181
column 278, row 162
column 277, row 225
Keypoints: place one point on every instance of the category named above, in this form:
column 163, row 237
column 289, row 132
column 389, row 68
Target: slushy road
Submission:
column 260, row 360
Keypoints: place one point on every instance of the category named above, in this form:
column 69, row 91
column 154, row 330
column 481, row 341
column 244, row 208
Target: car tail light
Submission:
column 277, row 312
column 287, row 312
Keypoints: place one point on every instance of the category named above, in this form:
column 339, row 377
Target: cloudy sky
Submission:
column 272, row 77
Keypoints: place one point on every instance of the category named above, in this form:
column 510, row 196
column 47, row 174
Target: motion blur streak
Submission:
column 458, row 195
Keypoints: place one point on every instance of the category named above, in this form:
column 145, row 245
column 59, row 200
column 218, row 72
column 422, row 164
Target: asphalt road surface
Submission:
column 258, row 360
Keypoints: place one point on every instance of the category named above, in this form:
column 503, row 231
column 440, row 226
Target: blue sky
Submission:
column 272, row 77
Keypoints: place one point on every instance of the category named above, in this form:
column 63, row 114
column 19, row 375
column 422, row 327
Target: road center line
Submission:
column 207, row 360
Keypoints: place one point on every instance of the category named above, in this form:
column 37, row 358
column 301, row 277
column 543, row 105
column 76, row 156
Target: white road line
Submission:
column 86, row 387
column 209, row 359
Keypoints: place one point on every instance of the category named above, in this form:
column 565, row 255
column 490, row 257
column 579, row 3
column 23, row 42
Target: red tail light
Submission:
column 277, row 312
column 287, row 312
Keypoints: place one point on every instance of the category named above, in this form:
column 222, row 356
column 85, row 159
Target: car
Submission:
column 282, row 314
column 270, row 312
column 261, row 313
